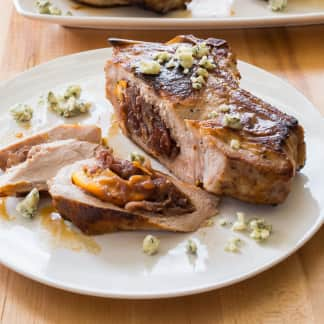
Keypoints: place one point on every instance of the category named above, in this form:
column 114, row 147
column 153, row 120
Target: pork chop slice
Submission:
column 17, row 152
column 213, row 134
column 94, row 215
column 42, row 163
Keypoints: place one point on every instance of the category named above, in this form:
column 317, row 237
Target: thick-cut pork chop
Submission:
column 208, row 131
column 42, row 163
column 17, row 152
column 106, row 194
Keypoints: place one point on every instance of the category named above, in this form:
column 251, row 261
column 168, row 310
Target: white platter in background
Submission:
column 202, row 14
column 121, row 269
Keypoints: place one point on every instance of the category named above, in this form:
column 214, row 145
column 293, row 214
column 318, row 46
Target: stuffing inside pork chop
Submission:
column 107, row 194
column 131, row 185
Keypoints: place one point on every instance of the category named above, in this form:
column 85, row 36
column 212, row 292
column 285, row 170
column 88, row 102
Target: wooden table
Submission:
column 292, row 292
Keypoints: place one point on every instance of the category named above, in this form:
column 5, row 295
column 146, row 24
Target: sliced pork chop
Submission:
column 17, row 152
column 42, row 163
column 137, row 198
column 215, row 134
column 160, row 6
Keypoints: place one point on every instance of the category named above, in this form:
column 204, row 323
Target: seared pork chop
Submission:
column 107, row 194
column 42, row 163
column 198, row 122
column 159, row 6
column 17, row 152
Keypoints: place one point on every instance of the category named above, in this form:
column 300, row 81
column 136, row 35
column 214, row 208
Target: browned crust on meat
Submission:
column 172, row 83
column 94, row 221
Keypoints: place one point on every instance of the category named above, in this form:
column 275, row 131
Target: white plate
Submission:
column 215, row 14
column 121, row 269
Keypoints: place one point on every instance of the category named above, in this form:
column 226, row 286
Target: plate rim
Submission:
column 178, row 293
column 174, row 23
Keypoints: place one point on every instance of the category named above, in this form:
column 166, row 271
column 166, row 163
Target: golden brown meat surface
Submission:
column 218, row 135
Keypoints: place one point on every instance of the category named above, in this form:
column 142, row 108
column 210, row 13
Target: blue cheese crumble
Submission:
column 259, row 230
column 150, row 67
column 185, row 56
column 232, row 121
column 224, row 108
column 235, row 144
column 233, row 245
column 150, row 245
column 136, row 157
column 201, row 50
column 69, row 105
column 22, row 113
column 162, row 57
column 29, row 205
column 278, row 5
column 73, row 91
column 191, row 247
column 45, row 7
column 240, row 224
column 207, row 63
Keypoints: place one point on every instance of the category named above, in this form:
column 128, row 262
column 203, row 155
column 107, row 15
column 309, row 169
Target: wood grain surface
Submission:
column 292, row 292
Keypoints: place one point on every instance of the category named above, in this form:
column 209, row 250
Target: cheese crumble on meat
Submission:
column 150, row 67
column 232, row 121
column 162, row 57
column 136, row 157
column 235, row 144
column 201, row 50
column 224, row 108
column 207, row 63
column 185, row 56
